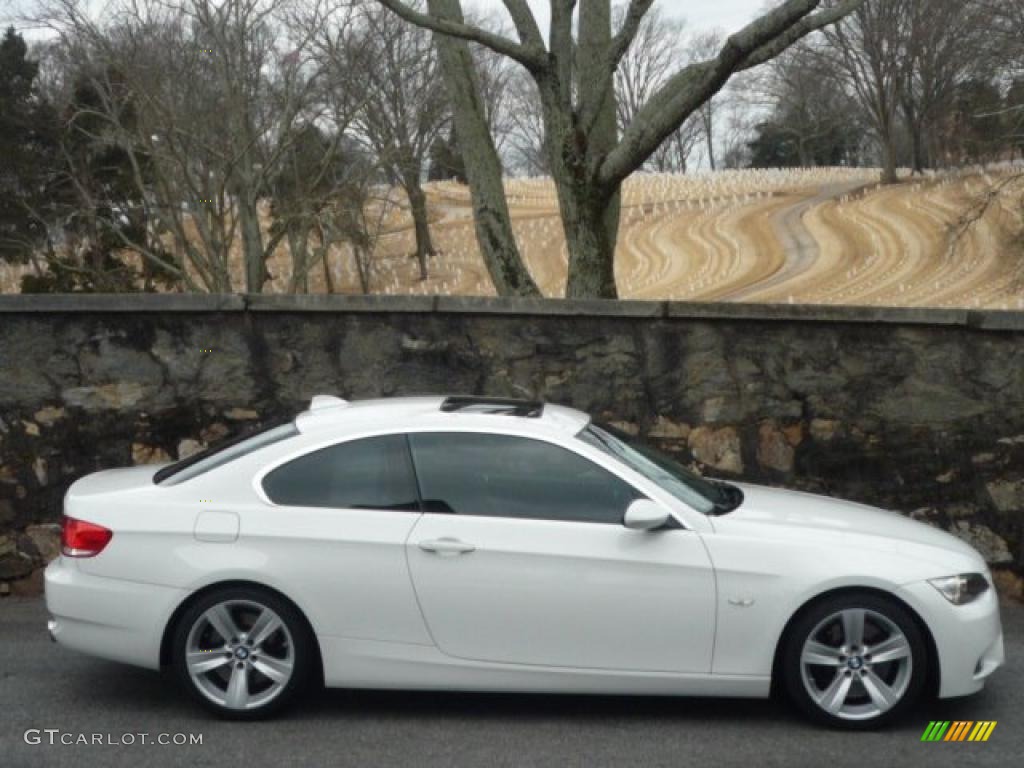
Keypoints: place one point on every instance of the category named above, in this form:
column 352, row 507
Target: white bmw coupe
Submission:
column 484, row 544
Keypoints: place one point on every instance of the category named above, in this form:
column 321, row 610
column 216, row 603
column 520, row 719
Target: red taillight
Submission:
column 81, row 539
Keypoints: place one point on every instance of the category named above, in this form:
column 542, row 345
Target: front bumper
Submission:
column 968, row 638
column 109, row 618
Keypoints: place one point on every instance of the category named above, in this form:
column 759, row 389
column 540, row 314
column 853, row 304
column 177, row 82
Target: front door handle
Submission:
column 446, row 547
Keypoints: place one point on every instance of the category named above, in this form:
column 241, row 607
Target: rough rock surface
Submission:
column 910, row 411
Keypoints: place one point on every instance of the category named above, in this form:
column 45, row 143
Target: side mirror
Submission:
column 645, row 515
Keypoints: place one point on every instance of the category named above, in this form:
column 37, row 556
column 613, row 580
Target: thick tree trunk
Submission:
column 483, row 167
column 421, row 223
column 590, row 221
column 590, row 211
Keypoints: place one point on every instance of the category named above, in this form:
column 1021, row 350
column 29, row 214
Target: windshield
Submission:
column 708, row 496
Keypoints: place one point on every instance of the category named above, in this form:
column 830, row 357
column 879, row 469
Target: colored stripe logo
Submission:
column 958, row 730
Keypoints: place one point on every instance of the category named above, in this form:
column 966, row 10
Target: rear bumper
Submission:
column 109, row 618
column 968, row 638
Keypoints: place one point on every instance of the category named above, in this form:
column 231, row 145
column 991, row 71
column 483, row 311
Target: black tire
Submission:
column 872, row 684
column 291, row 644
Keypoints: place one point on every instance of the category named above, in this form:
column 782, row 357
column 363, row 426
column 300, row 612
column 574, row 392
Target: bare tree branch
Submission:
column 800, row 30
column 635, row 13
column 694, row 85
column 525, row 23
column 529, row 55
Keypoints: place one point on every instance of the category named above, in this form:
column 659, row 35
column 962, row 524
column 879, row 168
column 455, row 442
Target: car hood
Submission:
column 872, row 527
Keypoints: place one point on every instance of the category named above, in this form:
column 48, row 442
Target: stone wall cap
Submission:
column 818, row 313
column 28, row 303
column 341, row 303
column 988, row 320
column 549, row 307
column 996, row 320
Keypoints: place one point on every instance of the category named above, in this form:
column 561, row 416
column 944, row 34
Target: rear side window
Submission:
column 373, row 473
column 506, row 476
column 221, row 453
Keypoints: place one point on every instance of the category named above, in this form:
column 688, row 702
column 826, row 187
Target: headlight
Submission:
column 962, row 589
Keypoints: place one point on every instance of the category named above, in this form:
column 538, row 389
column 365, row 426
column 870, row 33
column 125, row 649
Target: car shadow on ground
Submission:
column 111, row 686
column 502, row 706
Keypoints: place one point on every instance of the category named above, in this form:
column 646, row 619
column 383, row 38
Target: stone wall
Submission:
column 916, row 410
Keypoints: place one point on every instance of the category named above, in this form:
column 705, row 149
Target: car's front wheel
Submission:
column 243, row 652
column 855, row 661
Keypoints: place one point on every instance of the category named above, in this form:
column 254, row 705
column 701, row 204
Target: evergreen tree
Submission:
column 93, row 197
column 978, row 120
column 28, row 147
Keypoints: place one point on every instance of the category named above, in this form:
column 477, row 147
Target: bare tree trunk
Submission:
column 483, row 167
column 328, row 277
column 681, row 153
column 421, row 223
column 707, row 117
column 587, row 218
column 298, row 246
column 590, row 211
column 362, row 268
column 889, row 175
column 917, row 150
column 916, row 128
column 252, row 244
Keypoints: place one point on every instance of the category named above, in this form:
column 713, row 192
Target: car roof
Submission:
column 328, row 413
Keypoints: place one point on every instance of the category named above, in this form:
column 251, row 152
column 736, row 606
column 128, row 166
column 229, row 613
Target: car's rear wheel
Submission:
column 855, row 661
column 243, row 652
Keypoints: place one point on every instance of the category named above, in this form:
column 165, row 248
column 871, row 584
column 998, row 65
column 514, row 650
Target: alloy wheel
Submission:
column 856, row 664
column 240, row 654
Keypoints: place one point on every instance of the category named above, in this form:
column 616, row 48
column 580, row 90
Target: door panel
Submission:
column 339, row 532
column 567, row 594
column 348, row 566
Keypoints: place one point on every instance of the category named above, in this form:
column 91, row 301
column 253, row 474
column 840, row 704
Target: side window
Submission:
column 506, row 476
column 221, row 453
column 374, row 473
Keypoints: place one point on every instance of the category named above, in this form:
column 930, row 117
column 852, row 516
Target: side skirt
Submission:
column 351, row 663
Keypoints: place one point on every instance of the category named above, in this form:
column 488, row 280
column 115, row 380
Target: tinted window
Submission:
column 374, row 473
column 505, row 476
